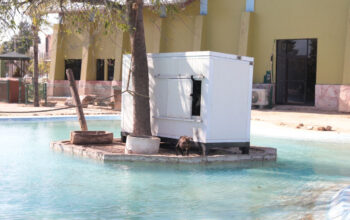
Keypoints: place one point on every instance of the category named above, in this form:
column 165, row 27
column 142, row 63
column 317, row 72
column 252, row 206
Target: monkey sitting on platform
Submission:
column 183, row 145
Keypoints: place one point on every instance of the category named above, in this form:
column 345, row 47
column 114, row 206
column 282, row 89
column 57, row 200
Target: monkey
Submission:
column 183, row 145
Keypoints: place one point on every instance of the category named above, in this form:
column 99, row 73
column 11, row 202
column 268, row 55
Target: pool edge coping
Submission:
column 60, row 117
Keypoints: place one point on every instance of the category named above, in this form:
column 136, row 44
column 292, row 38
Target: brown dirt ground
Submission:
column 310, row 118
column 90, row 110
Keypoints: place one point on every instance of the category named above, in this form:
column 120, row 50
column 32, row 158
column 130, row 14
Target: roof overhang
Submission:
column 14, row 56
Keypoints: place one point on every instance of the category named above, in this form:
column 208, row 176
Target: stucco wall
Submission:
column 72, row 46
column 284, row 19
column 223, row 24
column 178, row 30
column 220, row 31
column 105, row 44
column 174, row 33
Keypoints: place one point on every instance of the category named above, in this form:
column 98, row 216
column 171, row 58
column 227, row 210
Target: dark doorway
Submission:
column 110, row 69
column 100, row 69
column 296, row 71
column 75, row 65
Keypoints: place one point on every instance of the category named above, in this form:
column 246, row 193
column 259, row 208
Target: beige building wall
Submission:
column 228, row 28
column 223, row 25
column 73, row 44
column 221, row 30
column 284, row 19
column 179, row 31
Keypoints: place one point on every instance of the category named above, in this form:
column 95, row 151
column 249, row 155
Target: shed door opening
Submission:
column 196, row 97
column 296, row 71
column 75, row 65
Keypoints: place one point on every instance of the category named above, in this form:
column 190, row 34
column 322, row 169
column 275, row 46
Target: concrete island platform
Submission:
column 115, row 152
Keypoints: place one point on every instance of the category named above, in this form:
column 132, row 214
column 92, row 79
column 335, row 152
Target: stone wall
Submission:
column 101, row 89
column 98, row 88
column 327, row 97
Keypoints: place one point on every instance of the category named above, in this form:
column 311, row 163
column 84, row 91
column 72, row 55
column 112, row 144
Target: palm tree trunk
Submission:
column 139, row 69
column 36, row 68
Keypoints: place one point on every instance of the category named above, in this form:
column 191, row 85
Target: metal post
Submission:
column 19, row 90
column 21, row 68
column 8, row 91
column 75, row 95
column 45, row 93
column 26, row 93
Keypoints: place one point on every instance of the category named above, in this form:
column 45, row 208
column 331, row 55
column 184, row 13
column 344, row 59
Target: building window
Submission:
column 250, row 5
column 100, row 69
column 196, row 97
column 75, row 65
column 110, row 74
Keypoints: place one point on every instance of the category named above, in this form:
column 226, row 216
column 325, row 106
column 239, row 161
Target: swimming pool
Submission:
column 38, row 183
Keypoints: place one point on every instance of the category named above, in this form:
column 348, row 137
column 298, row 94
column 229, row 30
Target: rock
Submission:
column 300, row 125
column 86, row 99
column 48, row 104
column 329, row 128
column 102, row 102
column 309, row 127
column 69, row 102
column 321, row 128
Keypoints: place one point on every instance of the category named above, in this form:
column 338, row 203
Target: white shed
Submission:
column 204, row 95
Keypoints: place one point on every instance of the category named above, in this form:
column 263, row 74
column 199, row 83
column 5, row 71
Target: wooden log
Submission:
column 75, row 95
column 91, row 137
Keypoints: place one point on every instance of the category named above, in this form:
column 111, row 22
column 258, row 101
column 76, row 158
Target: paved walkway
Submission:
column 91, row 110
column 310, row 119
column 285, row 118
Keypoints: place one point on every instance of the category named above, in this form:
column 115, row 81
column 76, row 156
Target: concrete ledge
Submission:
column 59, row 118
column 115, row 152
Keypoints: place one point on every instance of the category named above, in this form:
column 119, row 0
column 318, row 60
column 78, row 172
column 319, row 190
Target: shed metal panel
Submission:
column 225, row 96
column 230, row 91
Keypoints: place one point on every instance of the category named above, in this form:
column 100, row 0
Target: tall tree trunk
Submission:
column 36, row 68
column 139, row 69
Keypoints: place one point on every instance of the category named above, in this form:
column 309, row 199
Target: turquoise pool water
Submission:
column 38, row 183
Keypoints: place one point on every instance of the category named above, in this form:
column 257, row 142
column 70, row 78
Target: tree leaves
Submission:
column 23, row 39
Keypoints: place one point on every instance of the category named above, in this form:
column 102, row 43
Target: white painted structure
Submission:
column 225, row 100
column 260, row 97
